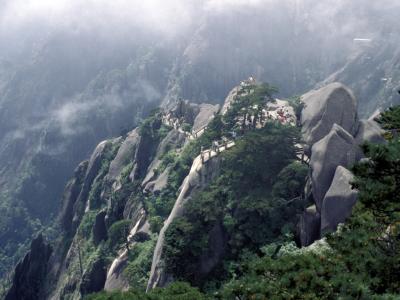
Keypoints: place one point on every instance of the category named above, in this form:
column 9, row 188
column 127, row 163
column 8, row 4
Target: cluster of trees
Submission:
column 248, row 204
column 246, row 111
column 361, row 260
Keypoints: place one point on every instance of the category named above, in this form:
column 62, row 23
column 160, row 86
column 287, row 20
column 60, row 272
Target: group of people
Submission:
column 282, row 115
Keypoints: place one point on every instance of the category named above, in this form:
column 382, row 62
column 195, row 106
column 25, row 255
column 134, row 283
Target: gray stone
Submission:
column 158, row 184
column 369, row 131
column 337, row 148
column 332, row 104
column 92, row 170
column 205, row 115
column 339, row 200
column 70, row 195
column 230, row 99
column 173, row 140
column 185, row 111
column 124, row 155
column 309, row 226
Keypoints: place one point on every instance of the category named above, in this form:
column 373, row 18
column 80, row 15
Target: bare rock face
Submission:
column 369, row 131
column 173, row 140
column 230, row 99
column 339, row 200
column 186, row 111
column 332, row 104
column 124, row 155
column 71, row 193
column 336, row 148
column 30, row 273
column 205, row 115
column 92, row 170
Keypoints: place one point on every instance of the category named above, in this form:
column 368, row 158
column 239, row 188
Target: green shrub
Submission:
column 156, row 223
column 139, row 264
column 118, row 233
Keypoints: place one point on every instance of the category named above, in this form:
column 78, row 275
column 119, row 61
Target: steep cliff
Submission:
column 194, row 189
column 110, row 211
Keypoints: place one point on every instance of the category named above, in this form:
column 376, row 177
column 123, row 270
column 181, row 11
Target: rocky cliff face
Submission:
column 110, row 195
column 62, row 92
column 120, row 203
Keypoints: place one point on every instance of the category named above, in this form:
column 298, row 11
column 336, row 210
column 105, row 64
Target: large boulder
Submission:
column 309, row 226
column 370, row 131
column 339, row 200
column 336, row 148
column 332, row 104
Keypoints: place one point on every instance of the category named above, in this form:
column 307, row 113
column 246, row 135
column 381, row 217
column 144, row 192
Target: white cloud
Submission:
column 224, row 4
column 164, row 16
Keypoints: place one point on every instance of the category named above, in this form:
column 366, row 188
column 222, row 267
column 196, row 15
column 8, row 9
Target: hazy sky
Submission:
column 166, row 16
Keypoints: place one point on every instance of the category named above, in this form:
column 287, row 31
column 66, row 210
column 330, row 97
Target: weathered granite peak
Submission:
column 332, row 104
column 31, row 272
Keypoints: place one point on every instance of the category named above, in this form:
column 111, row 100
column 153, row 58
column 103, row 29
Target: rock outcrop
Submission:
column 154, row 181
column 338, row 201
column 70, row 196
column 370, row 131
column 230, row 99
column 93, row 280
column 94, row 165
column 336, row 148
column 309, row 226
column 333, row 136
column 144, row 151
column 205, row 115
column 30, row 273
column 99, row 228
column 124, row 154
column 332, row 104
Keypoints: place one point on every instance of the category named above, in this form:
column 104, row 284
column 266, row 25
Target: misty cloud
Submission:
column 167, row 17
